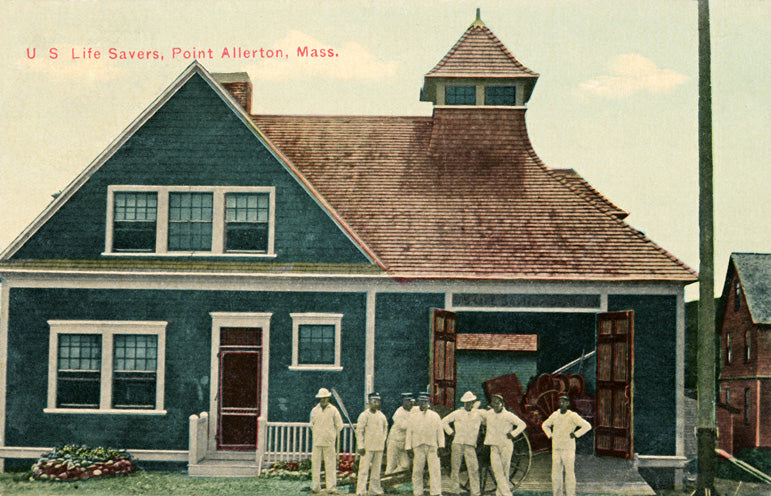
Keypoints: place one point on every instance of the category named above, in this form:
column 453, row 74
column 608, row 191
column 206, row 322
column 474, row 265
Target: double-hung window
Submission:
column 190, row 220
column 106, row 367
column 134, row 221
column 247, row 219
column 316, row 341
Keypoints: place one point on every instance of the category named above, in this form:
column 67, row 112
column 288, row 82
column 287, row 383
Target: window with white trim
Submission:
column 106, row 366
column 316, row 341
column 190, row 220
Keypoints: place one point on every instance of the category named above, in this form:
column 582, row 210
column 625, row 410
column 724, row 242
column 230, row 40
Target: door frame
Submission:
column 237, row 319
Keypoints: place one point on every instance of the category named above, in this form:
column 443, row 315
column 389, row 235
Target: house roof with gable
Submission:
column 460, row 194
column 754, row 270
column 479, row 53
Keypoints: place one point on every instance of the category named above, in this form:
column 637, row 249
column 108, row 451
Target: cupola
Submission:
column 479, row 71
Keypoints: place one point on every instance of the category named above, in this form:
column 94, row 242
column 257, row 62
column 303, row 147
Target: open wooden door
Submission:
column 441, row 369
column 614, row 411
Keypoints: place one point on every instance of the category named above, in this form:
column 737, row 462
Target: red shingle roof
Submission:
column 479, row 53
column 583, row 188
column 463, row 195
column 497, row 342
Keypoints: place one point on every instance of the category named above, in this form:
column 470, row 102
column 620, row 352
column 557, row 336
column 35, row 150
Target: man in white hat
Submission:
column 466, row 421
column 563, row 427
column 397, row 458
column 502, row 428
column 371, row 430
column 424, row 438
column 326, row 424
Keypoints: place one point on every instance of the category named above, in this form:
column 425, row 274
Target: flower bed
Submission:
column 81, row 462
column 346, row 468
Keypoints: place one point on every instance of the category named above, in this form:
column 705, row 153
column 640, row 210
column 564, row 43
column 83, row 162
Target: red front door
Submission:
column 614, row 419
column 441, row 367
column 239, row 388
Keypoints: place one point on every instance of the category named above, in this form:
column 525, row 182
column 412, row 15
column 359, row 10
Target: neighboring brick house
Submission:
column 214, row 260
column 745, row 343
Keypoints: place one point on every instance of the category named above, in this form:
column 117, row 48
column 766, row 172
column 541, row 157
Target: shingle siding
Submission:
column 188, row 359
column 194, row 139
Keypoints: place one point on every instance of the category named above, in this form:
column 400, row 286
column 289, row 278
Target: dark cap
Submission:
column 374, row 396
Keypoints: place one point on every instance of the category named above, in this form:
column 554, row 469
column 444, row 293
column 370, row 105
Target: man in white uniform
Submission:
column 424, row 437
column 464, row 445
column 326, row 424
column 397, row 457
column 371, row 430
column 563, row 427
column 502, row 427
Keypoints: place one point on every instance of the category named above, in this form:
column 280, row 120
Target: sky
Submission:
column 617, row 97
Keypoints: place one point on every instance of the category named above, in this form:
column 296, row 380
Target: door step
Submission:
column 226, row 464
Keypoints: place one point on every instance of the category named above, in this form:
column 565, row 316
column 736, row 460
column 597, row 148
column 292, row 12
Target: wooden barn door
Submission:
column 442, row 366
column 239, row 388
column 614, row 417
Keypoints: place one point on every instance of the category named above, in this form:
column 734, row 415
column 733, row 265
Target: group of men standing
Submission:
column 417, row 435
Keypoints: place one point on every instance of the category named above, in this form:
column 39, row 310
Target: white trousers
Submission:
column 328, row 455
column 422, row 454
column 563, row 464
column 397, row 458
column 500, row 464
column 374, row 460
column 459, row 452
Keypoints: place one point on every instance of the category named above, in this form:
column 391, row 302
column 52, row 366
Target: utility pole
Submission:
column 706, row 426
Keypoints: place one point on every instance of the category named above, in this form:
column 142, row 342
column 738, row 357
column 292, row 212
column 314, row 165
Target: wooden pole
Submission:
column 706, row 427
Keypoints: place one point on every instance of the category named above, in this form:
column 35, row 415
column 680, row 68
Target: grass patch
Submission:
column 144, row 483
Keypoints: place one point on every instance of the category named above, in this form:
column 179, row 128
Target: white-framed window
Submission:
column 316, row 341
column 106, row 366
column 190, row 220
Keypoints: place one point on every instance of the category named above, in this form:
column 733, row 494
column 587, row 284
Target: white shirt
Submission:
column 401, row 422
column 371, row 429
column 425, row 428
column 499, row 425
column 559, row 426
column 466, row 425
column 326, row 423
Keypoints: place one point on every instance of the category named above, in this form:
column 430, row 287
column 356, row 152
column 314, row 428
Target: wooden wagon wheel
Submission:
column 548, row 402
column 521, row 458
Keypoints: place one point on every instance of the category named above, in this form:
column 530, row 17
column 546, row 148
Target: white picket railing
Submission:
column 199, row 437
column 292, row 441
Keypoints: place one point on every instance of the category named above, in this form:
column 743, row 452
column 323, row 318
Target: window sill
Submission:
column 208, row 254
column 111, row 411
column 327, row 368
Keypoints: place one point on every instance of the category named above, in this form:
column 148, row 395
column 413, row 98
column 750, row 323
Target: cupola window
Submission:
column 460, row 95
column 500, row 95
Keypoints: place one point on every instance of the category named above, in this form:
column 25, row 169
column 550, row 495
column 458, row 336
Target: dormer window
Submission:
column 500, row 95
column 460, row 95
column 190, row 220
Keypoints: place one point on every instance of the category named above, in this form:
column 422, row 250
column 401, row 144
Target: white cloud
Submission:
column 351, row 62
column 629, row 74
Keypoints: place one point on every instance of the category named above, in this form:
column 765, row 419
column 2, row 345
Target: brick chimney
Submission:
column 239, row 85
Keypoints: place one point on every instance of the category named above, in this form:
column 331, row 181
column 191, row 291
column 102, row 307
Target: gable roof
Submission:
column 479, row 53
column 195, row 68
column 463, row 195
column 754, row 270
